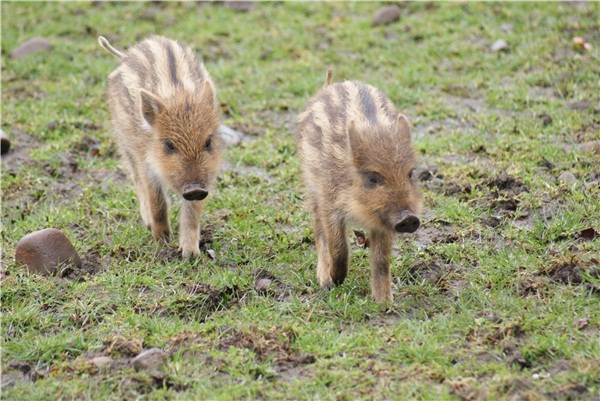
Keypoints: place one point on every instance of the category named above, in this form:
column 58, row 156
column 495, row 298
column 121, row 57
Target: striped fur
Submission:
column 357, row 159
column 165, row 112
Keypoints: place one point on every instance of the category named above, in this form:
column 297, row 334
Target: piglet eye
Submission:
column 208, row 144
column 169, row 147
column 372, row 179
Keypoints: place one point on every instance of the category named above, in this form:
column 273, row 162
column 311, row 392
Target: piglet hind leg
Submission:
column 189, row 228
column 381, row 281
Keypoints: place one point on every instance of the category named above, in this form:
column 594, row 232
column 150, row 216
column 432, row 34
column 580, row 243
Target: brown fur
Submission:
column 166, row 116
column 349, row 135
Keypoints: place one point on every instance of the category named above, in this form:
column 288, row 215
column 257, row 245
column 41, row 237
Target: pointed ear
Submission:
column 354, row 140
column 152, row 106
column 210, row 93
column 402, row 126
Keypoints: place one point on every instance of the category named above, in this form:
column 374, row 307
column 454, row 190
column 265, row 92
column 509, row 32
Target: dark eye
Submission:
column 373, row 179
column 169, row 147
column 411, row 174
column 208, row 144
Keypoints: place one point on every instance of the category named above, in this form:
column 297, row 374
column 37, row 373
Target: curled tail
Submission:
column 106, row 45
column 328, row 78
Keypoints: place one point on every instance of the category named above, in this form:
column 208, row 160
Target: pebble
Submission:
column 386, row 15
column 151, row 359
column 5, row 141
column 44, row 251
column 31, row 46
column 100, row 363
column 239, row 5
column 587, row 147
column 262, row 284
column 567, row 178
column 499, row 45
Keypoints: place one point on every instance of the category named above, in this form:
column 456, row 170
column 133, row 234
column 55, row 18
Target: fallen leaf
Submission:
column 361, row 240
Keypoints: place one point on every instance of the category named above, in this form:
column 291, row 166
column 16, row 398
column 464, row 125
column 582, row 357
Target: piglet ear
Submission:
column 210, row 93
column 357, row 150
column 402, row 126
column 152, row 106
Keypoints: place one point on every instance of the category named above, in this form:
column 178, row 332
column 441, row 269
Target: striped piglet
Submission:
column 357, row 164
column 166, row 117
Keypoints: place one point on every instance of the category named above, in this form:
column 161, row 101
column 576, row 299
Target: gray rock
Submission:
column 149, row 360
column 5, row 141
column 386, row 15
column 31, row 46
column 230, row 136
column 587, row 147
column 567, row 178
column 239, row 5
column 506, row 27
column 101, row 362
column 262, row 284
column 44, row 251
column 499, row 45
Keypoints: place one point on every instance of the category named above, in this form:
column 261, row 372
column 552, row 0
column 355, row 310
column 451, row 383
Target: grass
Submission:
column 497, row 293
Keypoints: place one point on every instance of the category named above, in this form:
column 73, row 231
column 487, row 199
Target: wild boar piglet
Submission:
column 357, row 164
column 164, row 109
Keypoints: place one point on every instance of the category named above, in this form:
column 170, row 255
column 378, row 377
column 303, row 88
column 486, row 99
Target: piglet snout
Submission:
column 194, row 192
column 407, row 222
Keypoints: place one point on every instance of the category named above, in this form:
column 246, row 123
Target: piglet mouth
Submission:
column 406, row 222
column 194, row 192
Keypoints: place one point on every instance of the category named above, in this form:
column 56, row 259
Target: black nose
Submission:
column 407, row 223
column 194, row 191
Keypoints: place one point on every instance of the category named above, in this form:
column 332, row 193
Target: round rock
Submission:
column 31, row 46
column 499, row 45
column 151, row 359
column 44, row 251
column 567, row 178
column 5, row 140
column 262, row 285
column 386, row 15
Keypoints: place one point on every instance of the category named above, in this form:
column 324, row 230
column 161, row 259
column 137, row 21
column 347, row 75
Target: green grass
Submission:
column 490, row 292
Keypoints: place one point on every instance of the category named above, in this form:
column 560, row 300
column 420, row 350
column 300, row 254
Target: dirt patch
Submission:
column 275, row 345
column 268, row 284
column 574, row 271
column 431, row 235
column 200, row 300
column 21, row 371
column 91, row 264
column 430, row 272
column 569, row 391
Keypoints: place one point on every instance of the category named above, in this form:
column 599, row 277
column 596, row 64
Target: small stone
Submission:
column 386, row 15
column 151, row 360
column 587, row 147
column 31, row 46
column 262, row 285
column 231, row 136
column 150, row 14
column 567, row 178
column 44, row 251
column 499, row 45
column 422, row 173
column 506, row 27
column 239, row 5
column 581, row 324
column 546, row 119
column 5, row 141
